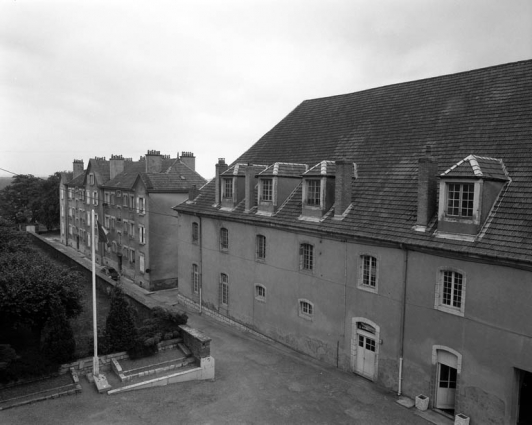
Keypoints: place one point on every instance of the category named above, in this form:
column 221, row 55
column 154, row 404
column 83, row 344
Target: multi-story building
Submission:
column 385, row 232
column 133, row 201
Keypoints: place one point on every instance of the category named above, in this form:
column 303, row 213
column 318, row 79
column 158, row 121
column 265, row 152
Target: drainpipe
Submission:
column 201, row 265
column 403, row 317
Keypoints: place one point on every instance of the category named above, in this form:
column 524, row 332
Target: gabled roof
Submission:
column 284, row 169
column 486, row 113
column 478, row 167
column 324, row 168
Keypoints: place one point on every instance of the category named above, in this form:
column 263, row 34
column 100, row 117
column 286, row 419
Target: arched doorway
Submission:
column 365, row 347
column 448, row 369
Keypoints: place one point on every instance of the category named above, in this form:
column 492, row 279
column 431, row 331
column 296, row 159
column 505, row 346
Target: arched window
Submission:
column 224, row 239
column 195, row 232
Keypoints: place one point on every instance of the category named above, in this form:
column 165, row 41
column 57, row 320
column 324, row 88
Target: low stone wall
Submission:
column 84, row 366
column 198, row 343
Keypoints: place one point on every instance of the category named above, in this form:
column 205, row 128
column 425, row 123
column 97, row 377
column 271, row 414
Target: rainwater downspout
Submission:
column 200, row 265
column 403, row 320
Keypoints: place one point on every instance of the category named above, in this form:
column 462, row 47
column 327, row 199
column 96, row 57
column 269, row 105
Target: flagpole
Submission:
column 96, row 362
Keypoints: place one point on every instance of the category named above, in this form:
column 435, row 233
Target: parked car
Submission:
column 109, row 271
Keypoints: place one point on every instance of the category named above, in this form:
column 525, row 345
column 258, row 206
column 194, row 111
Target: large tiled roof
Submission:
column 486, row 113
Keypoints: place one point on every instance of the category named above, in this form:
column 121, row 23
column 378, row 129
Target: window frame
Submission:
column 227, row 188
column 258, row 289
column 266, row 191
column 366, row 274
column 260, row 247
column 440, row 291
column 195, row 278
column 313, row 195
column 306, row 257
column 195, row 232
column 142, row 234
column 224, row 290
column 141, row 205
column 460, row 200
column 224, row 239
column 305, row 309
column 95, row 198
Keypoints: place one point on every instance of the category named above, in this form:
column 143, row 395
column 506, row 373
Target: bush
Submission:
column 59, row 344
column 120, row 329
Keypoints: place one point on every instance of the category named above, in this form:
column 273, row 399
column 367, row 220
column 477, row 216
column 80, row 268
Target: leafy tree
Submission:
column 29, row 285
column 120, row 329
column 12, row 239
column 59, row 343
column 30, row 199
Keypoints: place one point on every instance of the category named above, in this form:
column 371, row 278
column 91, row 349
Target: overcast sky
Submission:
column 80, row 79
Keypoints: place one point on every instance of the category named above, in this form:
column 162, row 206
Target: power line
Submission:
column 7, row 171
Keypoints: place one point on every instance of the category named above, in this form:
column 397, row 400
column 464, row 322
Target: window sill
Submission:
column 260, row 299
column 260, row 260
column 307, row 271
column 450, row 310
column 305, row 316
column 367, row 288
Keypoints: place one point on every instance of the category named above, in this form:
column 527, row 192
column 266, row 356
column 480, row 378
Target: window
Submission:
column 260, row 293
column 95, row 198
column 69, row 193
column 132, row 229
column 460, row 199
column 106, row 197
column 112, row 198
column 131, row 201
column 224, row 289
column 91, row 179
column 88, row 198
column 368, row 272
column 227, row 188
column 195, row 232
column 106, row 220
column 141, row 206
column 306, row 257
column 306, row 309
column 125, row 200
column 313, row 192
column 142, row 234
column 131, row 255
column 142, row 268
column 450, row 291
column 224, row 239
column 261, row 247
column 267, row 190
column 195, row 278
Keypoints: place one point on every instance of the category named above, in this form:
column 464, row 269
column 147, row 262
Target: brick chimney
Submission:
column 220, row 168
column 154, row 162
column 249, row 187
column 343, row 185
column 77, row 168
column 116, row 166
column 426, row 189
column 188, row 159
column 193, row 192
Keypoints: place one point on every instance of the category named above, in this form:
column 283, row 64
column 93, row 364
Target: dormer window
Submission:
column 313, row 193
column 227, row 189
column 460, row 199
column 91, row 179
column 267, row 190
column 468, row 191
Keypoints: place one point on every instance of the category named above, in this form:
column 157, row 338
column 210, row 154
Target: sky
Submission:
column 83, row 79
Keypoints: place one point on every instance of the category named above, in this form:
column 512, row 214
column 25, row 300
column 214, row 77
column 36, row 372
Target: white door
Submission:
column 446, row 380
column 366, row 357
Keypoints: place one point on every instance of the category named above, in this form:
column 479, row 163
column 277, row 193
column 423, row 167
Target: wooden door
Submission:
column 366, row 357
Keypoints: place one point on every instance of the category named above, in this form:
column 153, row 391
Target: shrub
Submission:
column 120, row 329
column 59, row 344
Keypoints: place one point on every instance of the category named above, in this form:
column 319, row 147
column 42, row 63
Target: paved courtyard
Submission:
column 256, row 383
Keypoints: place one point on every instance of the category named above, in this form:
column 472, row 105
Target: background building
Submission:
column 133, row 201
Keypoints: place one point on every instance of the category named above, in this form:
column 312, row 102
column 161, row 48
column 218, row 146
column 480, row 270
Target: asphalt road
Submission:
column 256, row 383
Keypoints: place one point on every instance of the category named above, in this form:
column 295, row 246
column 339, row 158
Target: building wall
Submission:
column 493, row 337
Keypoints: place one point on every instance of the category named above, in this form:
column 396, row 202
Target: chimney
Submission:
column 189, row 160
column 249, row 187
column 426, row 189
column 116, row 166
column 343, row 185
column 193, row 192
column 220, row 168
column 154, row 162
column 77, row 168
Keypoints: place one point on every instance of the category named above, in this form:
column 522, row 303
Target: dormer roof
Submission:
column 284, row 169
column 323, row 168
column 478, row 167
column 235, row 170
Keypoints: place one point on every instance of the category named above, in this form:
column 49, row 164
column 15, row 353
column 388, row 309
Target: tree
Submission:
column 29, row 285
column 120, row 329
column 59, row 343
column 30, row 199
